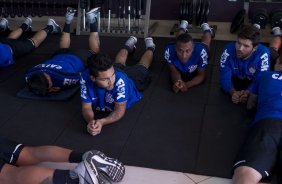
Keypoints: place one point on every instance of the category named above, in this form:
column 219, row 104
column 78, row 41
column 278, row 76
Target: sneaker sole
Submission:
column 112, row 167
column 92, row 170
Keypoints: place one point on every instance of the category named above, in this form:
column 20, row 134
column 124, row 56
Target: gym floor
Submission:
column 208, row 148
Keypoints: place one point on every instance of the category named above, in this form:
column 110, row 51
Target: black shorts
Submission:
column 138, row 73
column 9, row 151
column 83, row 54
column 19, row 47
column 262, row 147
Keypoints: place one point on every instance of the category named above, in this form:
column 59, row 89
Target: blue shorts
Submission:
column 9, row 151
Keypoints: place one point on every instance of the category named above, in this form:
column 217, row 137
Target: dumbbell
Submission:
column 276, row 19
column 207, row 11
column 198, row 12
column 260, row 17
column 237, row 21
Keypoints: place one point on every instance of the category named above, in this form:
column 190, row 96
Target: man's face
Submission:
column 51, row 88
column 105, row 79
column 244, row 48
column 184, row 51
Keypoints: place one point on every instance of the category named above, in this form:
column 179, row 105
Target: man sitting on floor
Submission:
column 241, row 64
column 18, row 165
column 187, row 59
column 113, row 87
column 262, row 151
column 12, row 48
column 63, row 70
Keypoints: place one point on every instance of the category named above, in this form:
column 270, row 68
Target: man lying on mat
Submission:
column 12, row 48
column 261, row 153
column 63, row 69
column 241, row 64
column 187, row 59
column 113, row 86
column 19, row 164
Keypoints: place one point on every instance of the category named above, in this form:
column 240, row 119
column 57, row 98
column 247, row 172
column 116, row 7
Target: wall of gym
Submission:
column 220, row 10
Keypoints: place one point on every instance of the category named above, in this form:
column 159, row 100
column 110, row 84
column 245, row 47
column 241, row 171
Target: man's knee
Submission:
column 246, row 175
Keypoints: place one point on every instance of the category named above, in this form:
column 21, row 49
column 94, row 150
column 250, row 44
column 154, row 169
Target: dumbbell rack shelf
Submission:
column 265, row 1
column 121, row 30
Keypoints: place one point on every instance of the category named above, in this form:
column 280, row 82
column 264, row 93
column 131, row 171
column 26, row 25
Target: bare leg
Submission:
column 147, row 58
column 94, row 42
column 39, row 37
column 246, row 175
column 15, row 34
column 26, row 175
column 206, row 38
column 65, row 40
column 276, row 43
column 121, row 56
column 33, row 155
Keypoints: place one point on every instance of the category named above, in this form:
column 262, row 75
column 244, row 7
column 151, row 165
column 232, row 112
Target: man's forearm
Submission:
column 116, row 115
column 88, row 115
column 175, row 75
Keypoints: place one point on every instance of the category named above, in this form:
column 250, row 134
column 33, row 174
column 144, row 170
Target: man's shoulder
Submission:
column 262, row 48
column 170, row 46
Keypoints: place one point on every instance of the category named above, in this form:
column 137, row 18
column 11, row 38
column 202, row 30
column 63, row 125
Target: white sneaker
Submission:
column 28, row 22
column 206, row 28
column 56, row 27
column 276, row 31
column 149, row 43
column 92, row 15
column 184, row 25
column 69, row 15
column 4, row 24
column 130, row 43
column 110, row 167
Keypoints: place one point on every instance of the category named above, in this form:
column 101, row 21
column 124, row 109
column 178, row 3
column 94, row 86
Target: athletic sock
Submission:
column 24, row 26
column 75, row 157
column 93, row 27
column 48, row 29
column 63, row 176
column 66, row 28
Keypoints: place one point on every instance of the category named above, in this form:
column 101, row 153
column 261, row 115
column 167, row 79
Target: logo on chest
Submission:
column 109, row 98
column 192, row 68
column 252, row 70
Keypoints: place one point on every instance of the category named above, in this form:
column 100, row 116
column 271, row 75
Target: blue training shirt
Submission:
column 269, row 90
column 6, row 56
column 198, row 59
column 250, row 68
column 64, row 70
column 102, row 99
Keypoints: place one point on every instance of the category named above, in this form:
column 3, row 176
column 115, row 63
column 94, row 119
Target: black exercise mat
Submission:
column 183, row 132
column 61, row 96
column 169, row 130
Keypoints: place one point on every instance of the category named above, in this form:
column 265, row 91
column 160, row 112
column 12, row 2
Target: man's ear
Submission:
column 255, row 48
column 92, row 78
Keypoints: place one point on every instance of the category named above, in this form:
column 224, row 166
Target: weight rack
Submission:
column 124, row 22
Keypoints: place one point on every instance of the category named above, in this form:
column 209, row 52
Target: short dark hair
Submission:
column 184, row 38
column 249, row 32
column 38, row 84
column 98, row 63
